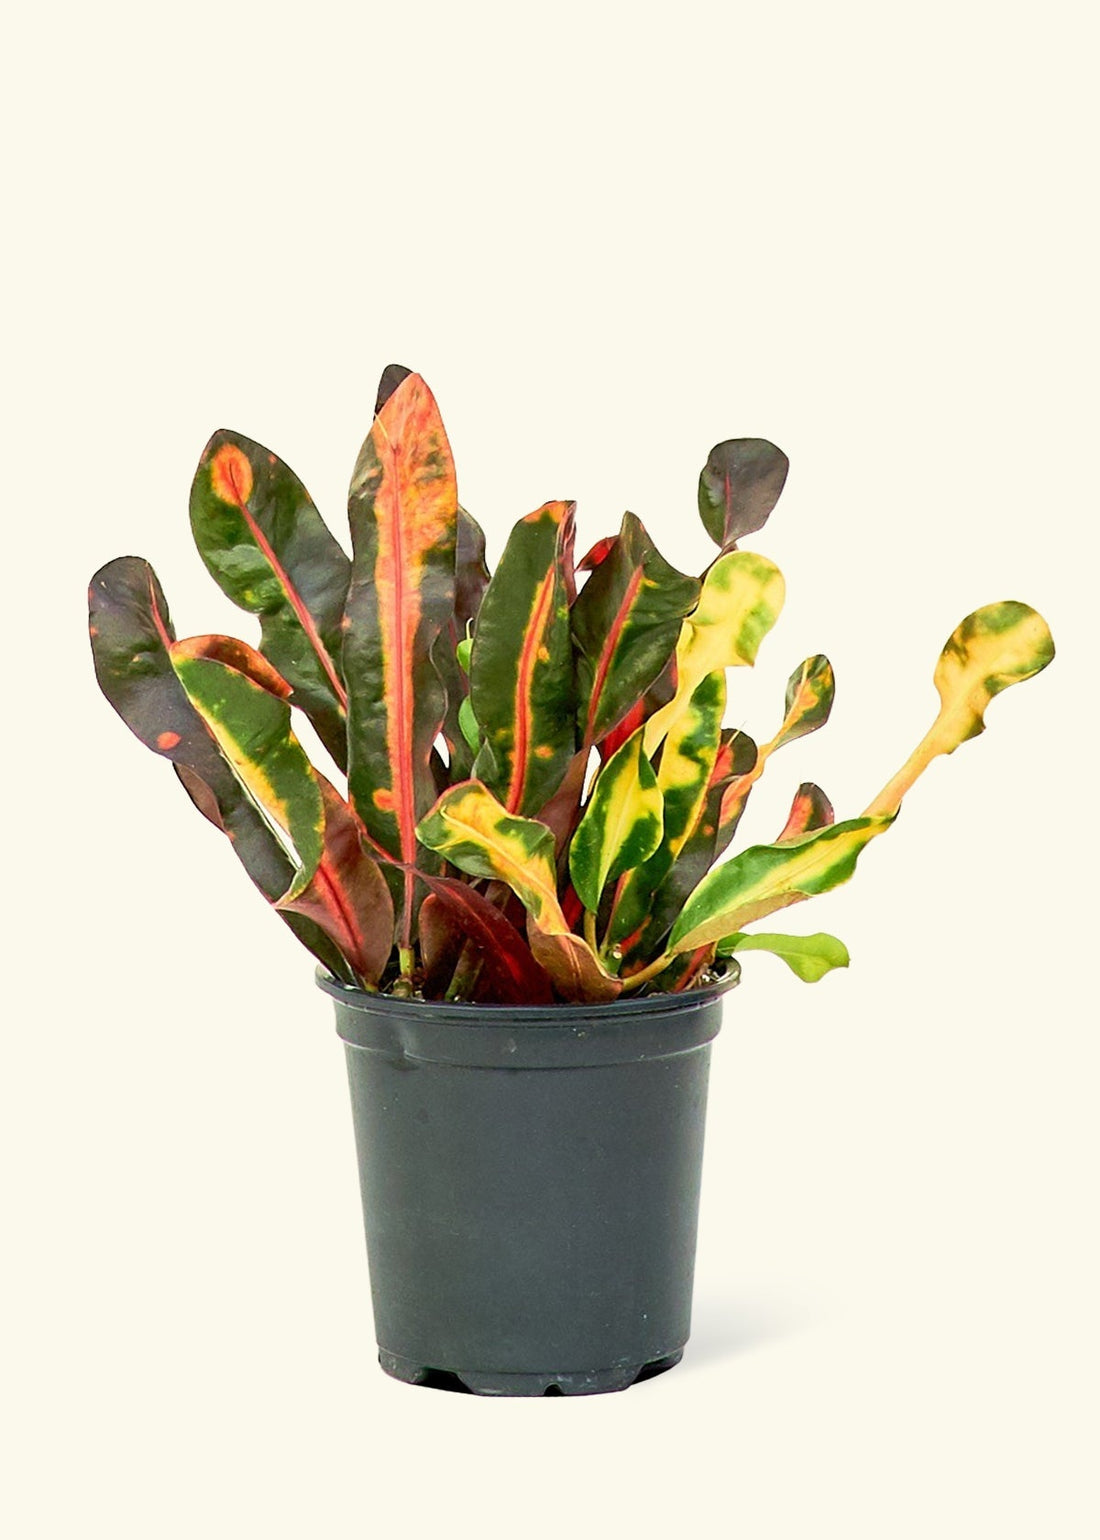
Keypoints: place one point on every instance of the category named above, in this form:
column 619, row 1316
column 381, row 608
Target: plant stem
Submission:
column 406, row 961
column 590, row 930
column 636, row 980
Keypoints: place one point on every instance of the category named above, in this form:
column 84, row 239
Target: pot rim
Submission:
column 558, row 1014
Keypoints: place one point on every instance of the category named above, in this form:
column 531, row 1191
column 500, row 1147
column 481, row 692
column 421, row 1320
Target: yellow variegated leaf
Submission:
column 765, row 878
column 991, row 649
column 740, row 602
column 622, row 824
column 476, row 833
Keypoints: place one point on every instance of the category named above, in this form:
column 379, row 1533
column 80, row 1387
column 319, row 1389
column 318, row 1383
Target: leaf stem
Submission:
column 590, row 930
column 643, row 976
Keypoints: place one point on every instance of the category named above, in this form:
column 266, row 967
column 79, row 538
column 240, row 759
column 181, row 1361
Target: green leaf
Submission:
column 809, row 957
column 252, row 729
column 268, row 549
column 451, row 652
column 765, row 878
column 738, row 488
column 809, row 700
column 626, row 620
column 521, row 666
column 622, row 824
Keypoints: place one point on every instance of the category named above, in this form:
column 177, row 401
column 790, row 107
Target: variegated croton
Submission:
column 538, row 779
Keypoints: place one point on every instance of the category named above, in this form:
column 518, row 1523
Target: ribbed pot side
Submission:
column 530, row 1182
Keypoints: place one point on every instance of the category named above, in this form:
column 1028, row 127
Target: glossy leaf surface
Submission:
column 740, row 602
column 476, row 833
column 521, row 666
column 810, row 809
column 738, row 488
column 622, row 825
column 403, row 511
column 269, row 550
column 765, row 878
column 626, row 621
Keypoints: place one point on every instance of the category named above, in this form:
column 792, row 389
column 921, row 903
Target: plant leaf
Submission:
column 521, row 666
column 403, row 510
column 996, row 646
column 509, row 969
column 626, row 621
column 765, row 878
column 268, row 549
column 622, row 824
column 131, row 633
column 738, row 488
column 252, row 729
column 687, row 763
column 810, row 809
column 808, row 957
column 348, row 897
column 471, row 580
column 809, row 700
column 740, row 602
column 476, row 833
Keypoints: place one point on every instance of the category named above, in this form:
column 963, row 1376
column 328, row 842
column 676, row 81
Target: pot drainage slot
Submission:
column 443, row 1379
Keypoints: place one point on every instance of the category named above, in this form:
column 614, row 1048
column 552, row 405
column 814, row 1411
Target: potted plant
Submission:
column 516, row 898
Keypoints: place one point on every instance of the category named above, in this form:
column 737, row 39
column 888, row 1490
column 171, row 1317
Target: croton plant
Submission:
column 538, row 780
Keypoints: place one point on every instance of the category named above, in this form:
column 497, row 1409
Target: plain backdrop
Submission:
column 608, row 236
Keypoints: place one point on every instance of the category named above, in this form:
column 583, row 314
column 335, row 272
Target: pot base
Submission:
column 588, row 1383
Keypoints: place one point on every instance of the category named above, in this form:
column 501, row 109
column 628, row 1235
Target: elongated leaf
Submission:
column 740, row 602
column 687, row 764
column 626, row 622
column 252, row 729
column 131, row 633
column 268, row 549
column 476, row 833
column 403, row 510
column 521, row 667
column 471, row 580
column 509, row 973
column 810, row 809
column 348, row 897
column 647, row 916
column 738, row 488
column 236, row 655
column 997, row 646
column 765, row 878
column 808, row 957
column 622, row 824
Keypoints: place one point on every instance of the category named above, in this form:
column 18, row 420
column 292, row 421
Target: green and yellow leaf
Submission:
column 808, row 957
column 738, row 488
column 765, row 878
column 521, row 665
column 997, row 646
column 741, row 599
column 403, row 511
column 268, row 549
column 622, row 823
column 252, row 729
column 476, row 833
column 626, row 621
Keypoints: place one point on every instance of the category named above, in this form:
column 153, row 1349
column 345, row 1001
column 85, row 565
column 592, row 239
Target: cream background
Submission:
column 609, row 236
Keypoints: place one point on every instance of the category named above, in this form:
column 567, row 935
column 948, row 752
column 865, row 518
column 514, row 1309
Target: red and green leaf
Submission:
column 476, row 833
column 810, row 809
column 738, row 488
column 269, row 550
column 626, row 621
column 348, row 897
column 132, row 634
column 471, row 580
column 509, row 972
column 521, row 666
column 403, row 510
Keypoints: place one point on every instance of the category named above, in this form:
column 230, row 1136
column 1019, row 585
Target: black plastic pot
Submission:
column 530, row 1180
